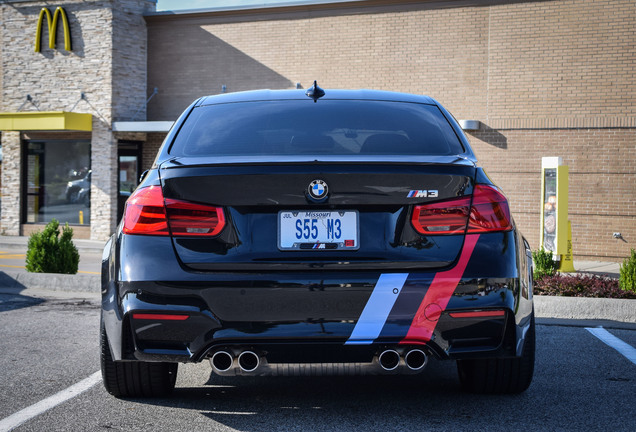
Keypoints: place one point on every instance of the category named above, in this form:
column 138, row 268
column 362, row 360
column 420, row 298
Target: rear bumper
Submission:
column 481, row 307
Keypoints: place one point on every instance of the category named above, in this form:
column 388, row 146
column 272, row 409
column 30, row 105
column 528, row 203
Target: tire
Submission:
column 500, row 376
column 135, row 379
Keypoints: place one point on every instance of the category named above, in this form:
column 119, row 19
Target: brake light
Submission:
column 489, row 213
column 147, row 213
column 191, row 219
column 446, row 217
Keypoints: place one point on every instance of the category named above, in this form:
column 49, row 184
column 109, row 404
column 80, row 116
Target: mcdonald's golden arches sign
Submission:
column 52, row 26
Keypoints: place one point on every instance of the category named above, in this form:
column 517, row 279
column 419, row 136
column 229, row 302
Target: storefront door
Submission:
column 57, row 182
column 129, row 163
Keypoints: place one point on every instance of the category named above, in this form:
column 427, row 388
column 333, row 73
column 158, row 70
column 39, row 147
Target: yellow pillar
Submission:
column 567, row 263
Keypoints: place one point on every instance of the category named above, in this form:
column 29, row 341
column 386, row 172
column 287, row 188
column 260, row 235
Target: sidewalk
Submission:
column 20, row 242
column 598, row 268
column 17, row 280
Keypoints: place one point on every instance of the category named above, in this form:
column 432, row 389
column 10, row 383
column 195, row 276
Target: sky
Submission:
column 163, row 5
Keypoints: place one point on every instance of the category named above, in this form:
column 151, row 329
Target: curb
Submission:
column 585, row 308
column 51, row 281
column 81, row 248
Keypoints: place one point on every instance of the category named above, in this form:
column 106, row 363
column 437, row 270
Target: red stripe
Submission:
column 160, row 317
column 477, row 314
column 438, row 296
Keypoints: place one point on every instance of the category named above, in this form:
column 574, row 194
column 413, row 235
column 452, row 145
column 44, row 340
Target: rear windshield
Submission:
column 328, row 127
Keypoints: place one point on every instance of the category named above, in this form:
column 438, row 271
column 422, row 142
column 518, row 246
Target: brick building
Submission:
column 543, row 78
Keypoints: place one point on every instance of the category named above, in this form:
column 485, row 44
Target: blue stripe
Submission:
column 377, row 309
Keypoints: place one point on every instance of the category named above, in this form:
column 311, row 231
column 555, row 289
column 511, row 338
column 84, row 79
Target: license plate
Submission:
column 318, row 230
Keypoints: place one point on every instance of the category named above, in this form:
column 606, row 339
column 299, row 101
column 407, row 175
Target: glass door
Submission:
column 57, row 182
column 129, row 164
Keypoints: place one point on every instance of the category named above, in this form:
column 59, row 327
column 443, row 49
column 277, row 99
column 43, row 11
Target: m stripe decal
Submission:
column 438, row 296
column 377, row 309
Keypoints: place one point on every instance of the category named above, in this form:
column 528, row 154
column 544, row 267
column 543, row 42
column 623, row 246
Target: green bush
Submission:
column 627, row 278
column 544, row 264
column 47, row 252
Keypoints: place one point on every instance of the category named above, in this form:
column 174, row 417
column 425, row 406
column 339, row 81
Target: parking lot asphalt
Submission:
column 49, row 376
column 49, row 381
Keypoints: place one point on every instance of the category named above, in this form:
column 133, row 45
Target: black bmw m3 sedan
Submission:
column 313, row 232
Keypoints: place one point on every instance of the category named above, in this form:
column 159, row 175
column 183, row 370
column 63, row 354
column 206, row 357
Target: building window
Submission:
column 57, row 181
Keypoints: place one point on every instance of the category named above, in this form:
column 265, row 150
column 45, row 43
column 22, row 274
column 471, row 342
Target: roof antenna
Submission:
column 315, row 92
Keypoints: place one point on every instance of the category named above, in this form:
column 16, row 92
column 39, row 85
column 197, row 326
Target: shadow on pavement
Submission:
column 263, row 404
column 10, row 297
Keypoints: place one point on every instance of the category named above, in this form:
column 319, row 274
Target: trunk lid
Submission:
column 256, row 196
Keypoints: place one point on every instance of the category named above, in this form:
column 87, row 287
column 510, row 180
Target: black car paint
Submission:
column 245, row 304
column 279, row 306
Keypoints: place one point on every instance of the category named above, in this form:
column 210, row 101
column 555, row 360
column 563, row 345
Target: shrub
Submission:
column 544, row 264
column 580, row 286
column 627, row 278
column 47, row 252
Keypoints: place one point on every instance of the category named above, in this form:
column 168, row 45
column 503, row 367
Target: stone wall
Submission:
column 104, row 185
column 106, row 63
column 55, row 78
column 11, row 177
column 129, row 59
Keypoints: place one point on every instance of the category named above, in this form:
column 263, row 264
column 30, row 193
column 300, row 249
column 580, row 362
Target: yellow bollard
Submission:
column 81, row 217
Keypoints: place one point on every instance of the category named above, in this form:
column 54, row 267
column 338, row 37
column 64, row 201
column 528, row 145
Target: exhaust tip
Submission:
column 389, row 360
column 248, row 361
column 415, row 359
column 222, row 361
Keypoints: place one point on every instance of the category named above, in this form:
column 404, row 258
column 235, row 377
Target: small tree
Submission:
column 544, row 264
column 47, row 252
column 627, row 278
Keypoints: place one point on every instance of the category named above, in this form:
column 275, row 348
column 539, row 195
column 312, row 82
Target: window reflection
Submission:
column 58, row 182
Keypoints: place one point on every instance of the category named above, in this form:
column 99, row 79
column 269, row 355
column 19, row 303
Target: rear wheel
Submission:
column 135, row 378
column 502, row 376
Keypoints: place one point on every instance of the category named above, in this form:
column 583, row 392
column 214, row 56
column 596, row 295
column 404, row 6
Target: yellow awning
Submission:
column 46, row 121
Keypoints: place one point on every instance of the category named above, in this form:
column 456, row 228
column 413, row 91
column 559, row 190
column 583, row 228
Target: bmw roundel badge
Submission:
column 318, row 190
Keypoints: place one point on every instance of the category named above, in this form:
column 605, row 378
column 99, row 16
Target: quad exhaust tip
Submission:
column 389, row 360
column 222, row 361
column 415, row 359
column 248, row 361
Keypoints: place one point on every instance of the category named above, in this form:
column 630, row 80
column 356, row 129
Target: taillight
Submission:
column 446, row 217
column 146, row 213
column 489, row 213
column 190, row 219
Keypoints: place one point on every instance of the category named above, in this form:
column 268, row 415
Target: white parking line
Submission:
column 611, row 340
column 44, row 405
